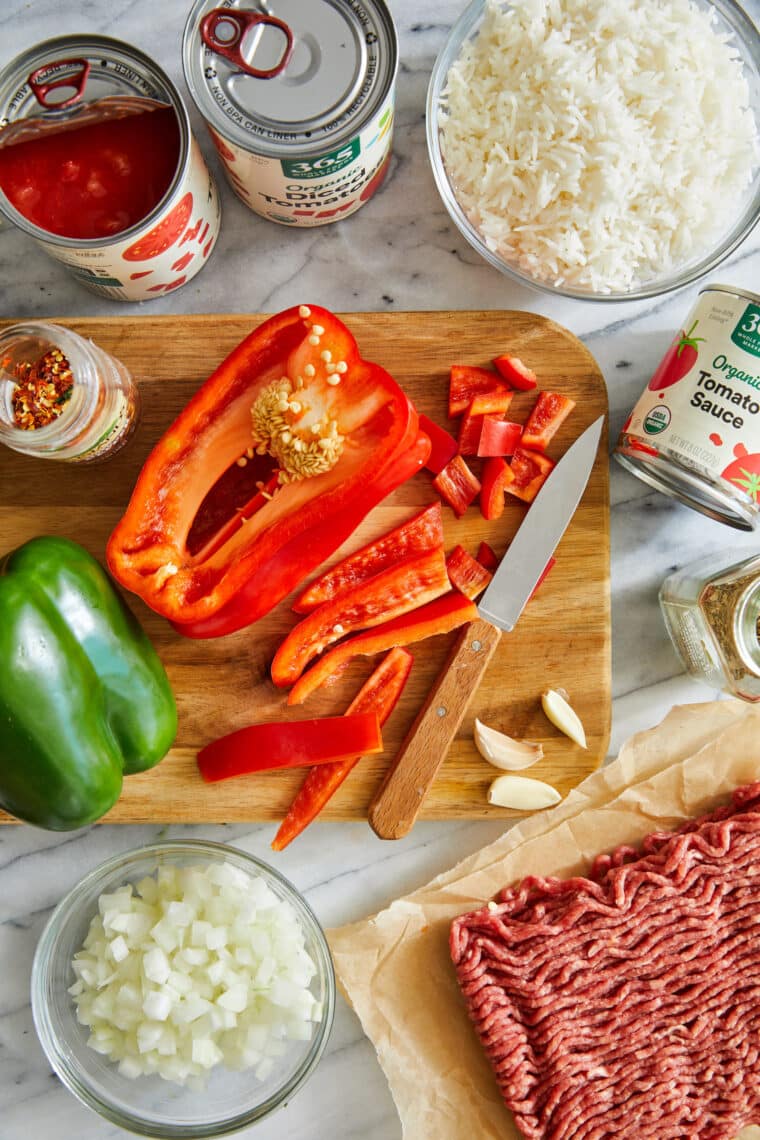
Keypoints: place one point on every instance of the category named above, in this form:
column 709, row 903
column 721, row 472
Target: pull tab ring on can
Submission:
column 42, row 88
column 241, row 23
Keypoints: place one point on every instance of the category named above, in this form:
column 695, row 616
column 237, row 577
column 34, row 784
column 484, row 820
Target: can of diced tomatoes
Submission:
column 695, row 432
column 298, row 100
column 98, row 164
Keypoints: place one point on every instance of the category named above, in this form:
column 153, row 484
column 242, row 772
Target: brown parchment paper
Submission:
column 395, row 969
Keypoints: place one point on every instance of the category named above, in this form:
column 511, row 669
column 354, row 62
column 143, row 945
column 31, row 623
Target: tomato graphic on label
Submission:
column 744, row 472
column 183, row 262
column 677, row 361
column 192, row 233
column 715, row 438
column 163, row 235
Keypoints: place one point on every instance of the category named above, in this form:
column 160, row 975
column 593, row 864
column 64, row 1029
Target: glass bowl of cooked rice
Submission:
column 599, row 149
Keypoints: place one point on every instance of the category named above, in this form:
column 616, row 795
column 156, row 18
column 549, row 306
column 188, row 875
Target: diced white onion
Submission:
column 194, row 968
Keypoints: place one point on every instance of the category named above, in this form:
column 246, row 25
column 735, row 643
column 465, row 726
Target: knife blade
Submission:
column 397, row 803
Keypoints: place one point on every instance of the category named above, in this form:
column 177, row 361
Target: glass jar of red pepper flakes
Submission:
column 61, row 396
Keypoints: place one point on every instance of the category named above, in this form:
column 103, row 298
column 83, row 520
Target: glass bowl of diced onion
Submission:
column 575, row 175
column 183, row 990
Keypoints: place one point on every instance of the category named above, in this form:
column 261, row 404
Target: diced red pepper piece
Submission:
column 379, row 694
column 443, row 446
column 530, row 470
column 549, row 412
column 497, row 476
column 411, row 583
column 512, row 369
column 498, row 437
column 470, row 429
column 491, row 403
column 289, row 744
column 544, row 572
column 419, row 534
column 468, row 575
column 440, row 616
column 487, row 557
column 466, row 381
column 457, row 485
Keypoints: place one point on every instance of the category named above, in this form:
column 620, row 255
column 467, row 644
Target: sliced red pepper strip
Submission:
column 457, row 485
column 549, row 411
column 379, row 694
column 468, row 575
column 512, row 369
column 440, row 616
column 498, row 437
column 487, row 557
column 422, row 533
column 443, row 446
column 410, row 583
column 466, row 381
column 530, row 470
column 208, row 594
column 289, row 744
column 496, row 478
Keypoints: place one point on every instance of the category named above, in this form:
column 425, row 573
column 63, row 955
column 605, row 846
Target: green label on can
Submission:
column 747, row 332
column 323, row 166
column 657, row 420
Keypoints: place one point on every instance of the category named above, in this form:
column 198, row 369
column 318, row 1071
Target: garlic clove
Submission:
column 504, row 752
column 563, row 716
column 522, row 793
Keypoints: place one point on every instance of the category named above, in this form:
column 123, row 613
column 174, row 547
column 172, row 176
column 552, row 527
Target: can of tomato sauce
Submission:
column 98, row 164
column 298, row 100
column 695, row 432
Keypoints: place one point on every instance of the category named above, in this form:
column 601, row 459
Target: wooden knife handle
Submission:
column 397, row 803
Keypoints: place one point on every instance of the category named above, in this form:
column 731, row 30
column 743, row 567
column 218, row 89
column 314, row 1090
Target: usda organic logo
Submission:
column 657, row 420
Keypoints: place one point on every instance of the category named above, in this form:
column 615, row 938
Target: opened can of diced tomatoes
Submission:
column 695, row 431
column 298, row 100
column 98, row 164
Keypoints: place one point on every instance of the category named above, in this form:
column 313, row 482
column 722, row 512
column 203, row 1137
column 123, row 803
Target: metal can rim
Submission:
column 733, row 290
column 83, row 43
column 307, row 147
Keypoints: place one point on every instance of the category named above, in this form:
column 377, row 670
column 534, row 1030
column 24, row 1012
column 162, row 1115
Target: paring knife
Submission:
column 397, row 803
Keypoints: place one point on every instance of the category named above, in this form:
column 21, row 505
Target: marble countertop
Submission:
column 400, row 252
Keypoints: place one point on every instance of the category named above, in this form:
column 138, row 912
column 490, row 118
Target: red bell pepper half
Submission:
column 411, row 583
column 530, row 469
column 419, row 535
column 497, row 476
column 379, row 695
column 441, row 616
column 512, row 369
column 468, row 575
column 164, row 548
column 466, row 381
column 457, row 485
column 498, row 437
column 549, row 412
column 443, row 446
column 289, row 744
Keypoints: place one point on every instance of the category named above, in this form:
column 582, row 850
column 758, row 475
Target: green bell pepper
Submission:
column 84, row 699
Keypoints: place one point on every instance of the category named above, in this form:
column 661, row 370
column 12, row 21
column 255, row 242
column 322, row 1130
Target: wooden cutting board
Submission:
column 562, row 639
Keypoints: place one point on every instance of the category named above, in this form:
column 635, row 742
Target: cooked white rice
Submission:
column 598, row 143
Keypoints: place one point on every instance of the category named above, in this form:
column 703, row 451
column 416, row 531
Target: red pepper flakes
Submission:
column 42, row 390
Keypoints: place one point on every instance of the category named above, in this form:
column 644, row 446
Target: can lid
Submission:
column 289, row 77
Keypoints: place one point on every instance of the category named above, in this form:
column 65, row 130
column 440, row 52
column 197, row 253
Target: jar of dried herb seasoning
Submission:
column 61, row 396
column 712, row 613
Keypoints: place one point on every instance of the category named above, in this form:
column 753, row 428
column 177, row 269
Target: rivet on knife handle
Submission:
column 395, row 807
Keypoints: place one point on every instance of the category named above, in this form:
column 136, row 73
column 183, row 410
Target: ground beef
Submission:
column 627, row 1004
